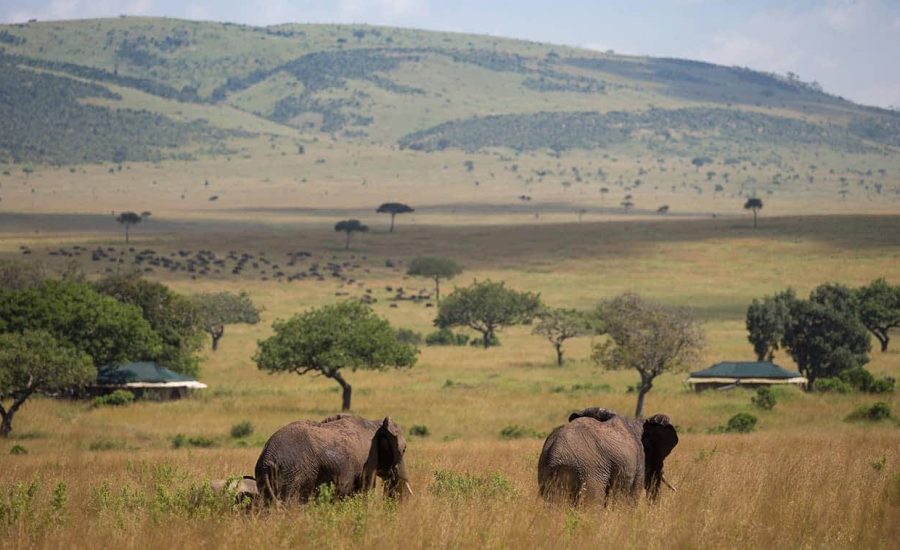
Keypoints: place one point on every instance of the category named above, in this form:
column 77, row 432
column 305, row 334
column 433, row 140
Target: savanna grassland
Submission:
column 257, row 140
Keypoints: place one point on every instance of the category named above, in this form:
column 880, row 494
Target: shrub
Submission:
column 446, row 337
column 514, row 431
column 764, row 398
column 182, row 440
column 106, row 444
column 468, row 486
column 409, row 336
column 741, row 423
column 832, row 385
column 18, row 450
column 884, row 385
column 493, row 342
column 241, row 429
column 118, row 398
column 878, row 411
column 859, row 378
column 587, row 387
column 418, row 430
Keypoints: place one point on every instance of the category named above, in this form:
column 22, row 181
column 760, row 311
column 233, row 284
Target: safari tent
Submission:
column 729, row 374
column 144, row 379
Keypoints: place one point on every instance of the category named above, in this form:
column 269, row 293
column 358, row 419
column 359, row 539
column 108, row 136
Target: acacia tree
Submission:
column 173, row 317
column 128, row 219
column 35, row 362
column 394, row 208
column 218, row 309
column 350, row 227
column 766, row 320
column 878, row 306
column 486, row 307
column 559, row 325
column 436, row 269
column 754, row 204
column 331, row 339
column 100, row 326
column 648, row 338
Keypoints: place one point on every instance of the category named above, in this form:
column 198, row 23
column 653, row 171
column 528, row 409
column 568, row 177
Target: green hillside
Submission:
column 145, row 89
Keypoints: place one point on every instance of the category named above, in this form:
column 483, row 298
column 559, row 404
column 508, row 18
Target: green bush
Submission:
column 884, row 385
column 418, row 430
column 832, row 385
column 446, row 337
column 587, row 387
column 741, row 423
column 467, row 486
column 492, row 343
column 764, row 398
column 859, row 378
column 18, row 450
column 241, row 429
column 106, row 444
column 182, row 440
column 409, row 336
column 514, row 431
column 876, row 412
column 118, row 398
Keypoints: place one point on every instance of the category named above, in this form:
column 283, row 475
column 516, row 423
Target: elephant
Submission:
column 243, row 489
column 599, row 454
column 345, row 450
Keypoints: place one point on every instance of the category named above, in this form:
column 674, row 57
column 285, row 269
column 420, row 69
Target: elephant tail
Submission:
column 267, row 482
column 561, row 484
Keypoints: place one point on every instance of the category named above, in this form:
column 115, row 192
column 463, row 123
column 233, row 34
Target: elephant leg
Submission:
column 562, row 483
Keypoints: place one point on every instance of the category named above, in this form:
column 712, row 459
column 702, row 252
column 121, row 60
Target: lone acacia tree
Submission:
column 486, row 307
column 878, row 305
column 647, row 337
column 394, row 208
column 350, row 227
column 35, row 362
column 754, row 204
column 128, row 219
column 218, row 309
column 333, row 338
column 559, row 325
column 436, row 269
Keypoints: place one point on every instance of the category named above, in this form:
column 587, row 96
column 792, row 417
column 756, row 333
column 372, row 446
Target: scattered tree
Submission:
column 436, row 269
column 218, row 309
column 486, row 307
column 878, row 306
column 647, row 337
column 394, row 208
column 766, row 321
column 350, row 227
column 128, row 219
column 330, row 339
column 559, row 325
column 35, row 362
column 754, row 204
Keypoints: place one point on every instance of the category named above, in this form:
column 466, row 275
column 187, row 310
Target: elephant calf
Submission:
column 600, row 453
column 345, row 450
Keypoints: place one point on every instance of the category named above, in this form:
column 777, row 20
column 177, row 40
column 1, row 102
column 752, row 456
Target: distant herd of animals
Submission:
column 598, row 455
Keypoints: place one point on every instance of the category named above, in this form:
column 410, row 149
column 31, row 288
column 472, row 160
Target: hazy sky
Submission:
column 851, row 47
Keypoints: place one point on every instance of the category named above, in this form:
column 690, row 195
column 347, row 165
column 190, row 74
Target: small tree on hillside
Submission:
column 646, row 337
column 436, row 269
column 35, row 362
column 879, row 309
column 331, row 339
column 128, row 219
column 559, row 325
column 486, row 307
column 766, row 320
column 350, row 227
column 754, row 204
column 218, row 309
column 394, row 208
column 824, row 341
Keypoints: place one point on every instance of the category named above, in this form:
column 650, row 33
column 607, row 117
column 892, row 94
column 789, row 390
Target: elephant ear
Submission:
column 659, row 438
column 386, row 446
column 597, row 413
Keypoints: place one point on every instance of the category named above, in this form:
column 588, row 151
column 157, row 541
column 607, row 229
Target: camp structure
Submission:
column 145, row 379
column 752, row 374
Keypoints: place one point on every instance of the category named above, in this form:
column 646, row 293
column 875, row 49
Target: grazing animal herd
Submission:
column 596, row 456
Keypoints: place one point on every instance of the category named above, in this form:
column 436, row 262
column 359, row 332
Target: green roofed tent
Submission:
column 144, row 377
column 728, row 374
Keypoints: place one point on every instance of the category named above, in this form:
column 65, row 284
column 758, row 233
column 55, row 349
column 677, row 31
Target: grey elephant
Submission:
column 345, row 450
column 244, row 489
column 599, row 454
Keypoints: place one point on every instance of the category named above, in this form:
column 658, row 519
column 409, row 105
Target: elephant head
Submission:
column 658, row 439
column 387, row 462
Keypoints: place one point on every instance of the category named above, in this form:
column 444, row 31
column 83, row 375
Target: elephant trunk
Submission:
column 396, row 484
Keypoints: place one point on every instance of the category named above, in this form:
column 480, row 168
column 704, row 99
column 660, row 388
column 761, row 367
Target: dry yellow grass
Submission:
column 806, row 478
